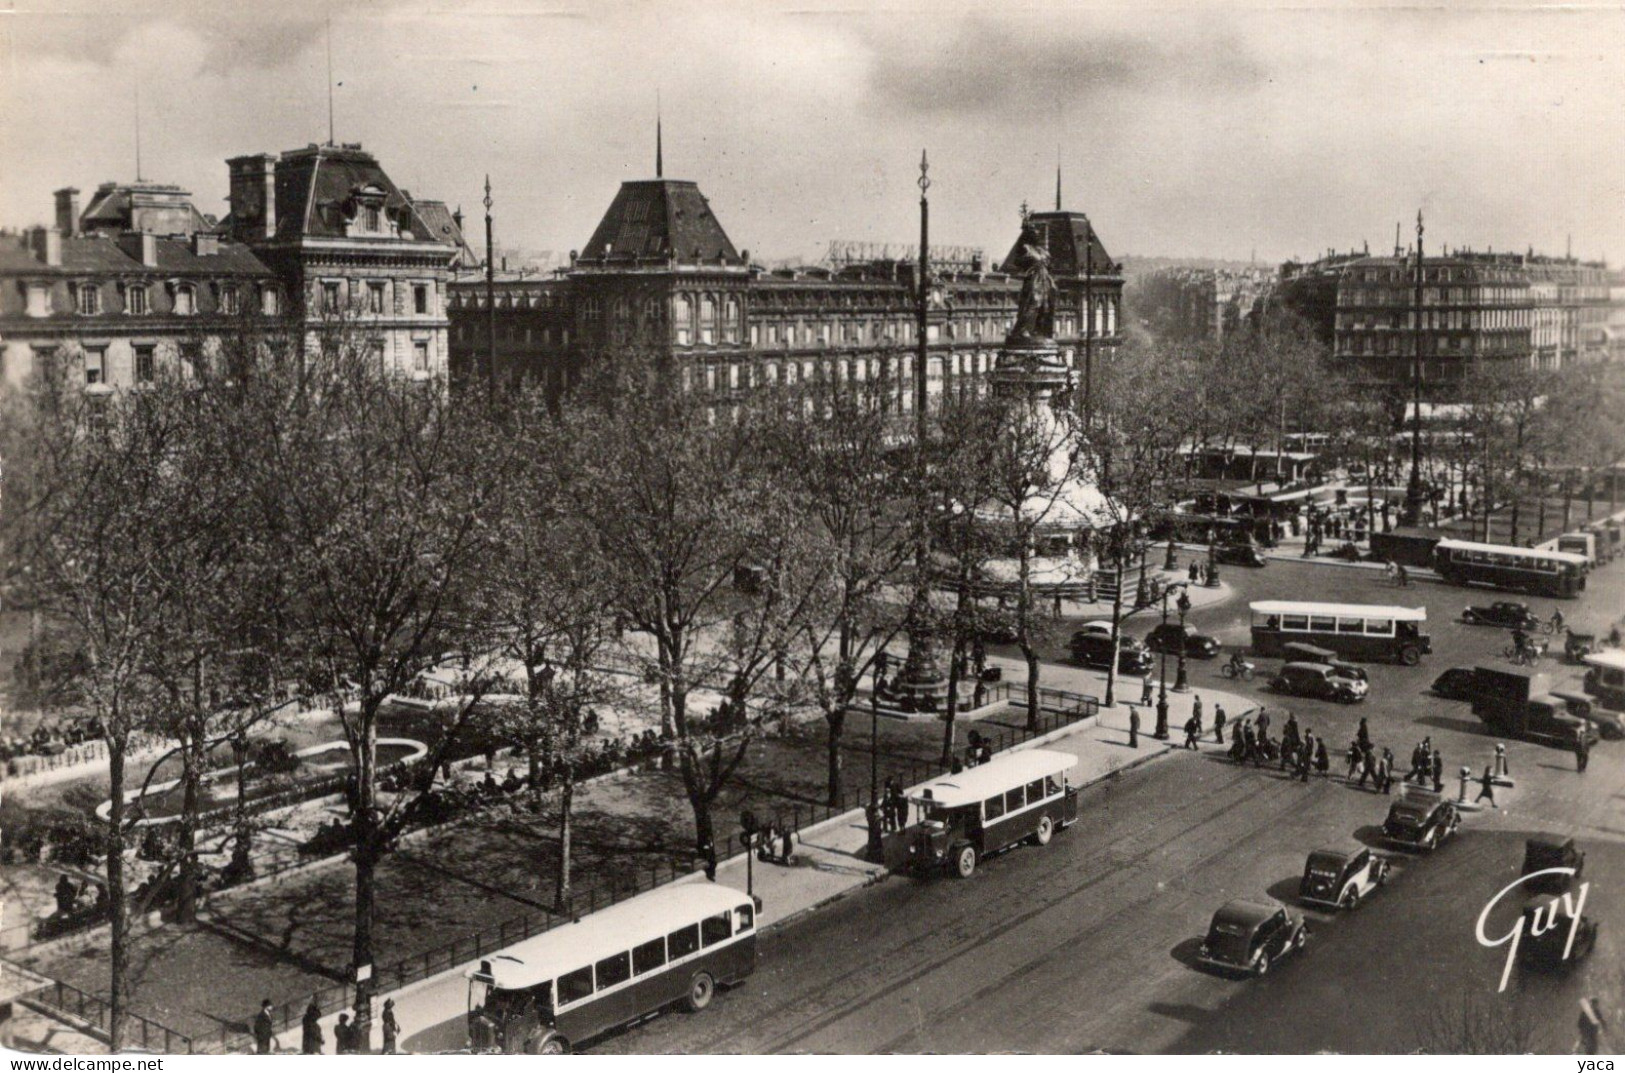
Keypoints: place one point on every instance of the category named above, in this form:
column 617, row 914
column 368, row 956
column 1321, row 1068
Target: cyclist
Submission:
column 1520, row 644
column 1557, row 620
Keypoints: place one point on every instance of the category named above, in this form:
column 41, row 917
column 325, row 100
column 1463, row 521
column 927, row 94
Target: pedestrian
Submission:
column 787, row 845
column 1390, row 568
column 1387, row 769
column 1057, row 605
column 1323, row 762
column 1218, row 723
column 1145, row 691
column 1192, row 571
column 1192, row 728
column 706, row 850
column 1591, row 1026
column 263, row 1028
column 1196, row 711
column 343, row 1036
column 1134, row 725
column 1582, row 752
column 392, row 1027
column 1486, row 785
column 1263, row 721
column 1404, row 577
column 1304, row 759
column 1250, row 742
column 310, row 1037
column 1438, row 772
column 871, row 818
column 1363, row 736
column 1355, row 759
column 889, row 806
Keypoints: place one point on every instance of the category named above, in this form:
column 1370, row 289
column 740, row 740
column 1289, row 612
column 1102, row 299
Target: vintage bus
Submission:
column 1502, row 566
column 1017, row 797
column 556, row 991
column 1358, row 631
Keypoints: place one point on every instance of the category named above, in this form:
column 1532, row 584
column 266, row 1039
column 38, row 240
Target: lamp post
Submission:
column 490, row 300
column 239, row 752
column 874, row 744
column 1413, row 490
column 1161, row 733
column 1181, row 683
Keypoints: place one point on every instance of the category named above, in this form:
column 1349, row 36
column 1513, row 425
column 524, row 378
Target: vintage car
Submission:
column 1017, row 797
column 1251, row 936
column 1299, row 652
column 1319, row 681
column 1609, row 725
column 1577, row 646
column 1173, row 638
column 1548, row 922
column 1458, row 683
column 1239, row 555
column 1421, row 820
column 1552, row 851
column 1508, row 614
column 1095, row 650
column 1342, row 877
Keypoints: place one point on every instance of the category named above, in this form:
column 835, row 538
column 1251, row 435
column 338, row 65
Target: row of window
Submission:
column 1020, row 797
column 86, row 299
column 651, row 956
column 1369, row 627
column 1506, row 560
column 369, row 296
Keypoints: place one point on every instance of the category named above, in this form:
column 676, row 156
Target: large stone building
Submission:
column 137, row 279
column 1540, row 312
column 661, row 276
column 349, row 244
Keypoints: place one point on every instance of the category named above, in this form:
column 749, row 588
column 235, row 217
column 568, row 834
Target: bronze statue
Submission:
column 1035, row 310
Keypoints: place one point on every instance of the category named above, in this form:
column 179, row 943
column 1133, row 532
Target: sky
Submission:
column 1202, row 129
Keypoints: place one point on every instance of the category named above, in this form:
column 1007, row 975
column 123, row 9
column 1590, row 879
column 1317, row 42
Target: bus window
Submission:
column 1350, row 625
column 576, row 985
column 992, row 808
column 1035, row 791
column 715, row 929
column 1014, row 799
column 683, row 941
column 744, row 918
column 648, row 957
column 1295, row 622
column 1379, row 627
column 1273, row 622
column 1322, row 624
column 614, row 970
column 1052, row 785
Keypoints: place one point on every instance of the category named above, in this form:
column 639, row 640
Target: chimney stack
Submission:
column 253, row 196
column 142, row 245
column 47, row 245
column 67, row 210
column 205, row 243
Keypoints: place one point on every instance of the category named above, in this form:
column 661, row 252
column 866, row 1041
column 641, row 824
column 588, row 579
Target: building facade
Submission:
column 349, row 245
column 1539, row 312
column 136, row 280
column 660, row 276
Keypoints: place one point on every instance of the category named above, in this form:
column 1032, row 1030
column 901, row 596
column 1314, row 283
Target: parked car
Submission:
column 1251, row 936
column 1421, row 820
column 1319, row 681
column 1299, row 652
column 1096, row 628
column 1544, row 949
column 1171, row 638
column 1239, row 555
column 1508, row 614
column 1094, row 650
column 1342, row 877
column 1458, row 683
column 1552, row 851
column 1609, row 725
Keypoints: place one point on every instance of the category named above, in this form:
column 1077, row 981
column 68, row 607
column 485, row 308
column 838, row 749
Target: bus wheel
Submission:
column 965, row 861
column 1046, row 831
column 1410, row 656
column 700, row 991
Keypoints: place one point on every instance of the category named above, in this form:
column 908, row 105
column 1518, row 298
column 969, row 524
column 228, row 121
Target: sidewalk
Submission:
column 830, row 860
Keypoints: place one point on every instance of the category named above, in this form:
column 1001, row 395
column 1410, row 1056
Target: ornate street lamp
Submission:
column 1161, row 733
column 1181, row 683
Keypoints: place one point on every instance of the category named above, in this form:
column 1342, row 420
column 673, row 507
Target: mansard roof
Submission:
column 667, row 219
column 317, row 188
column 1070, row 237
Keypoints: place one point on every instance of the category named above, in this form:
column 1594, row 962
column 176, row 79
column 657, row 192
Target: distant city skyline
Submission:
column 1192, row 130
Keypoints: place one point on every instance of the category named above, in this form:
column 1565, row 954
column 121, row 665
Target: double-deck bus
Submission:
column 1504, row 566
column 1357, row 631
column 556, row 991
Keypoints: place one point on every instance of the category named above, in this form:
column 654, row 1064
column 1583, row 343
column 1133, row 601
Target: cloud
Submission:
column 987, row 68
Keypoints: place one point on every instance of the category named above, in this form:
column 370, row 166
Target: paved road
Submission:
column 1088, row 944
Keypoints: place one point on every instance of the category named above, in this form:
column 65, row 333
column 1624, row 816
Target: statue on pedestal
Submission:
column 1035, row 309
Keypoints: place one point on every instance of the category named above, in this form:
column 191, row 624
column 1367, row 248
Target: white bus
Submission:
column 558, row 990
column 1357, row 631
column 1506, row 566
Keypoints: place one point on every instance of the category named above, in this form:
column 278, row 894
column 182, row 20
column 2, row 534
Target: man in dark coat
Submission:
column 1323, row 762
column 264, row 1031
column 1582, row 750
column 1438, row 772
column 392, row 1027
column 1134, row 728
column 1192, row 729
column 343, row 1036
column 1363, row 736
column 1289, row 732
column 310, row 1038
column 1218, row 723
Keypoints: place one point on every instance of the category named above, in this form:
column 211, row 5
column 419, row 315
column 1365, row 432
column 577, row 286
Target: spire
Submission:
column 330, row 140
column 1396, row 238
column 1057, row 178
column 138, row 128
column 660, row 155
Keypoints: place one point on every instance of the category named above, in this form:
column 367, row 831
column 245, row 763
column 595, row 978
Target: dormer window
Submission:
column 87, row 299
column 269, row 302
column 228, row 301
column 185, row 300
column 135, row 301
column 373, row 218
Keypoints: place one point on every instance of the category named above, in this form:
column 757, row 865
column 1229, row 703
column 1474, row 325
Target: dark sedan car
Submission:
column 1421, row 820
column 1318, row 681
column 1239, row 555
column 1508, row 614
column 1093, row 650
column 1251, row 936
column 1171, row 638
column 1458, row 683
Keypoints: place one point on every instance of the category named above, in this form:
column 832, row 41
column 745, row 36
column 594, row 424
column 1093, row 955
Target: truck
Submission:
column 1605, row 677
column 1580, row 544
column 1519, row 704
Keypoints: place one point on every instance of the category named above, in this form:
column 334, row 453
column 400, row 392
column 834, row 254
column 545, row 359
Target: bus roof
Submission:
column 1613, row 659
column 1299, row 607
column 610, row 931
column 994, row 777
column 1513, row 549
